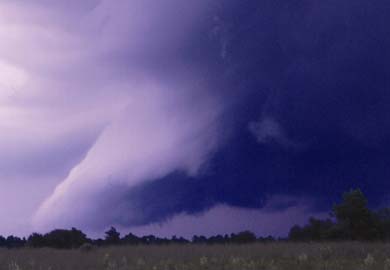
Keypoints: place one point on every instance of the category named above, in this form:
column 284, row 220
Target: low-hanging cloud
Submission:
column 224, row 219
column 107, row 89
column 148, row 140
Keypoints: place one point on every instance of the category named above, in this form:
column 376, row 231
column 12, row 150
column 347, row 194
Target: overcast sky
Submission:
column 155, row 116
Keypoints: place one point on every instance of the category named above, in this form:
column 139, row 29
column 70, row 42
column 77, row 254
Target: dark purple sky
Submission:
column 184, row 117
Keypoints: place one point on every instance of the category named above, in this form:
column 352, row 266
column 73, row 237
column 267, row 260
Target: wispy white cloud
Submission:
column 268, row 130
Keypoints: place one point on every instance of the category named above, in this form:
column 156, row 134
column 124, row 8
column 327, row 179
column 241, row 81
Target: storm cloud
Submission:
column 138, row 111
column 95, row 93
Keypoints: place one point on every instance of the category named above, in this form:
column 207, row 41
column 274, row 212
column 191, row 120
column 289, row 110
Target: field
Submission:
column 273, row 256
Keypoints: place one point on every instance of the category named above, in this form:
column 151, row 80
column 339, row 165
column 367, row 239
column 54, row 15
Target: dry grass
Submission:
column 286, row 256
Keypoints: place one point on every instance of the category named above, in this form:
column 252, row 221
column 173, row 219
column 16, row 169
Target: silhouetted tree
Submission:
column 217, row 239
column 354, row 218
column 15, row 242
column 382, row 217
column 296, row 233
column 36, row 240
column 243, row 237
column 199, row 239
column 131, row 239
column 316, row 230
column 3, row 241
column 267, row 239
column 149, row 239
column 65, row 238
column 112, row 236
column 175, row 240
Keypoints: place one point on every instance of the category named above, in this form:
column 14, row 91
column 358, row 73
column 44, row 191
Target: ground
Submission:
column 271, row 256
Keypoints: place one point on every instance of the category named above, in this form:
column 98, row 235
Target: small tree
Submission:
column 131, row 239
column 316, row 230
column 355, row 218
column 36, row 240
column 112, row 236
column 60, row 238
column 243, row 237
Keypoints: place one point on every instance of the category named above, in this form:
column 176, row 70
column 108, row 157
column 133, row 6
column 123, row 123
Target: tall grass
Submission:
column 272, row 256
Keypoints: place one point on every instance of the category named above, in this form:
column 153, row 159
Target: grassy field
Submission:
column 288, row 256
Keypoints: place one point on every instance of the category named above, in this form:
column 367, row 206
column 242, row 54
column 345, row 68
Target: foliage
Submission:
column 112, row 236
column 354, row 216
column 58, row 239
column 353, row 221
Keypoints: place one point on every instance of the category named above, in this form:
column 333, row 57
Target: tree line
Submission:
column 349, row 220
column 74, row 238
